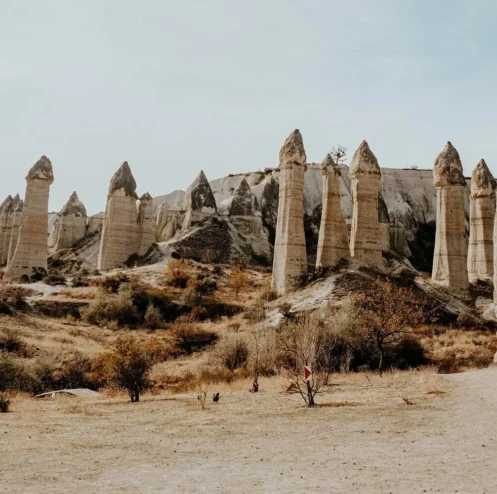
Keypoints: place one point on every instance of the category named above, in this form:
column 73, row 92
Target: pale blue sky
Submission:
column 173, row 87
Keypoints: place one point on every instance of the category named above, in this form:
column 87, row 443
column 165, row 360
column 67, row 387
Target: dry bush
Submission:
column 153, row 318
column 197, row 289
column 232, row 352
column 75, row 293
column 13, row 298
column 235, row 326
column 238, row 279
column 112, row 284
column 4, row 403
column 128, row 365
column 106, row 308
column 190, row 338
column 158, row 350
column 55, row 280
column 268, row 295
column 263, row 354
column 468, row 321
column 12, row 343
column 256, row 313
column 179, row 272
column 80, row 282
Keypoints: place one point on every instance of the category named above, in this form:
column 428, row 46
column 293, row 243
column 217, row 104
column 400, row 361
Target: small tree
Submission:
column 130, row 365
column 339, row 154
column 153, row 317
column 387, row 313
column 306, row 344
column 237, row 280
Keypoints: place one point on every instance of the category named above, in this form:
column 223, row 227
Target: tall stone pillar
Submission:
column 31, row 253
column 290, row 256
column 70, row 225
column 16, row 223
column 119, row 233
column 451, row 245
column 481, row 219
column 146, row 224
column 333, row 242
column 6, row 212
column 366, row 236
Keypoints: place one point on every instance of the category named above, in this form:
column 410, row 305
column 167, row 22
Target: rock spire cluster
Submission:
column 128, row 226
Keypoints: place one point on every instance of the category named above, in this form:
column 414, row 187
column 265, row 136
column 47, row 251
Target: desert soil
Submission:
column 446, row 441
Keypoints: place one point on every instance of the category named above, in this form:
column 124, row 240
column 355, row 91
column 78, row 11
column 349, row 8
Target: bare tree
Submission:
column 306, row 344
column 339, row 154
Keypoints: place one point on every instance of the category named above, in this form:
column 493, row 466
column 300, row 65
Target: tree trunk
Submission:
column 310, row 397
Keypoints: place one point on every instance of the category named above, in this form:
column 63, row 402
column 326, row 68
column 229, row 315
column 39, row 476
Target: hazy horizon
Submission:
column 174, row 88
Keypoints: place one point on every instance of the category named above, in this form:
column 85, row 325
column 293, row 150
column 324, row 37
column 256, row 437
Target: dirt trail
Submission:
column 266, row 443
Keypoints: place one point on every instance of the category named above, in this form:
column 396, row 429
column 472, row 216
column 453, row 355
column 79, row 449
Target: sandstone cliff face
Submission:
column 333, row 243
column 245, row 216
column 199, row 202
column 367, row 240
column 482, row 211
column 6, row 214
column 169, row 222
column 32, row 248
column 146, row 224
column 70, row 226
column 451, row 244
column 290, row 256
column 119, row 233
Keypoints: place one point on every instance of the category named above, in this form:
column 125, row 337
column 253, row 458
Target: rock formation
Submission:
column 481, row 219
column 366, row 236
column 169, row 221
column 333, row 242
column 31, row 252
column 290, row 255
column 245, row 216
column 16, row 223
column 199, row 202
column 119, row 233
column 70, row 225
column 146, row 224
column 6, row 214
column 451, row 246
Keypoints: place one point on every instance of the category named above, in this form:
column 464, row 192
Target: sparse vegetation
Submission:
column 190, row 338
column 232, row 352
column 179, row 272
column 238, row 280
column 153, row 317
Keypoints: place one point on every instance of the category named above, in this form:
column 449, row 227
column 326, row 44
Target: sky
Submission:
column 174, row 87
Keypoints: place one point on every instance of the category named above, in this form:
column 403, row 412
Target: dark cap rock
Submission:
column 41, row 170
column 123, row 179
column 74, row 206
column 364, row 162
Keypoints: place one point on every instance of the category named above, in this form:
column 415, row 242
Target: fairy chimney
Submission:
column 6, row 213
column 146, row 224
column 199, row 202
column 70, row 225
column 31, row 253
column 119, row 233
column 333, row 241
column 481, row 224
column 16, row 223
column 366, row 237
column 451, row 244
column 290, row 256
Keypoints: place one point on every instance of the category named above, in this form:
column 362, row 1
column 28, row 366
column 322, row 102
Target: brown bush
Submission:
column 153, row 318
column 12, row 343
column 232, row 352
column 191, row 338
column 106, row 308
column 238, row 279
column 468, row 321
column 4, row 403
column 268, row 295
column 179, row 272
column 112, row 284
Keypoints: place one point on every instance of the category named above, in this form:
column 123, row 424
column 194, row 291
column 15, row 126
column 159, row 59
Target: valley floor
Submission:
column 446, row 441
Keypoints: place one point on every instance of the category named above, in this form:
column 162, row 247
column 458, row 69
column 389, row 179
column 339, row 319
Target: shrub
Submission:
column 79, row 282
column 55, row 279
column 112, row 284
column 237, row 280
column 4, row 403
column 15, row 376
column 73, row 372
column 190, row 338
column 153, row 317
column 37, row 274
column 232, row 352
column 106, row 308
column 467, row 321
column 198, row 288
column 11, row 342
column 179, row 272
column 268, row 295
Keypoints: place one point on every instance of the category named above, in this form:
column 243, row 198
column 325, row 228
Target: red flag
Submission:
column 307, row 373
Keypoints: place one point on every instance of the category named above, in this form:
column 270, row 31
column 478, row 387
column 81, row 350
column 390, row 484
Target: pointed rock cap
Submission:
column 16, row 200
column 19, row 206
column 41, row 170
column 146, row 197
column 328, row 166
column 199, row 196
column 482, row 181
column 364, row 162
column 244, row 203
column 448, row 168
column 74, row 206
column 123, row 179
column 293, row 151
column 7, row 205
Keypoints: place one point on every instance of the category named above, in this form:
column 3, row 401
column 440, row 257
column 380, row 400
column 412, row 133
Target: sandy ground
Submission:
column 446, row 441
